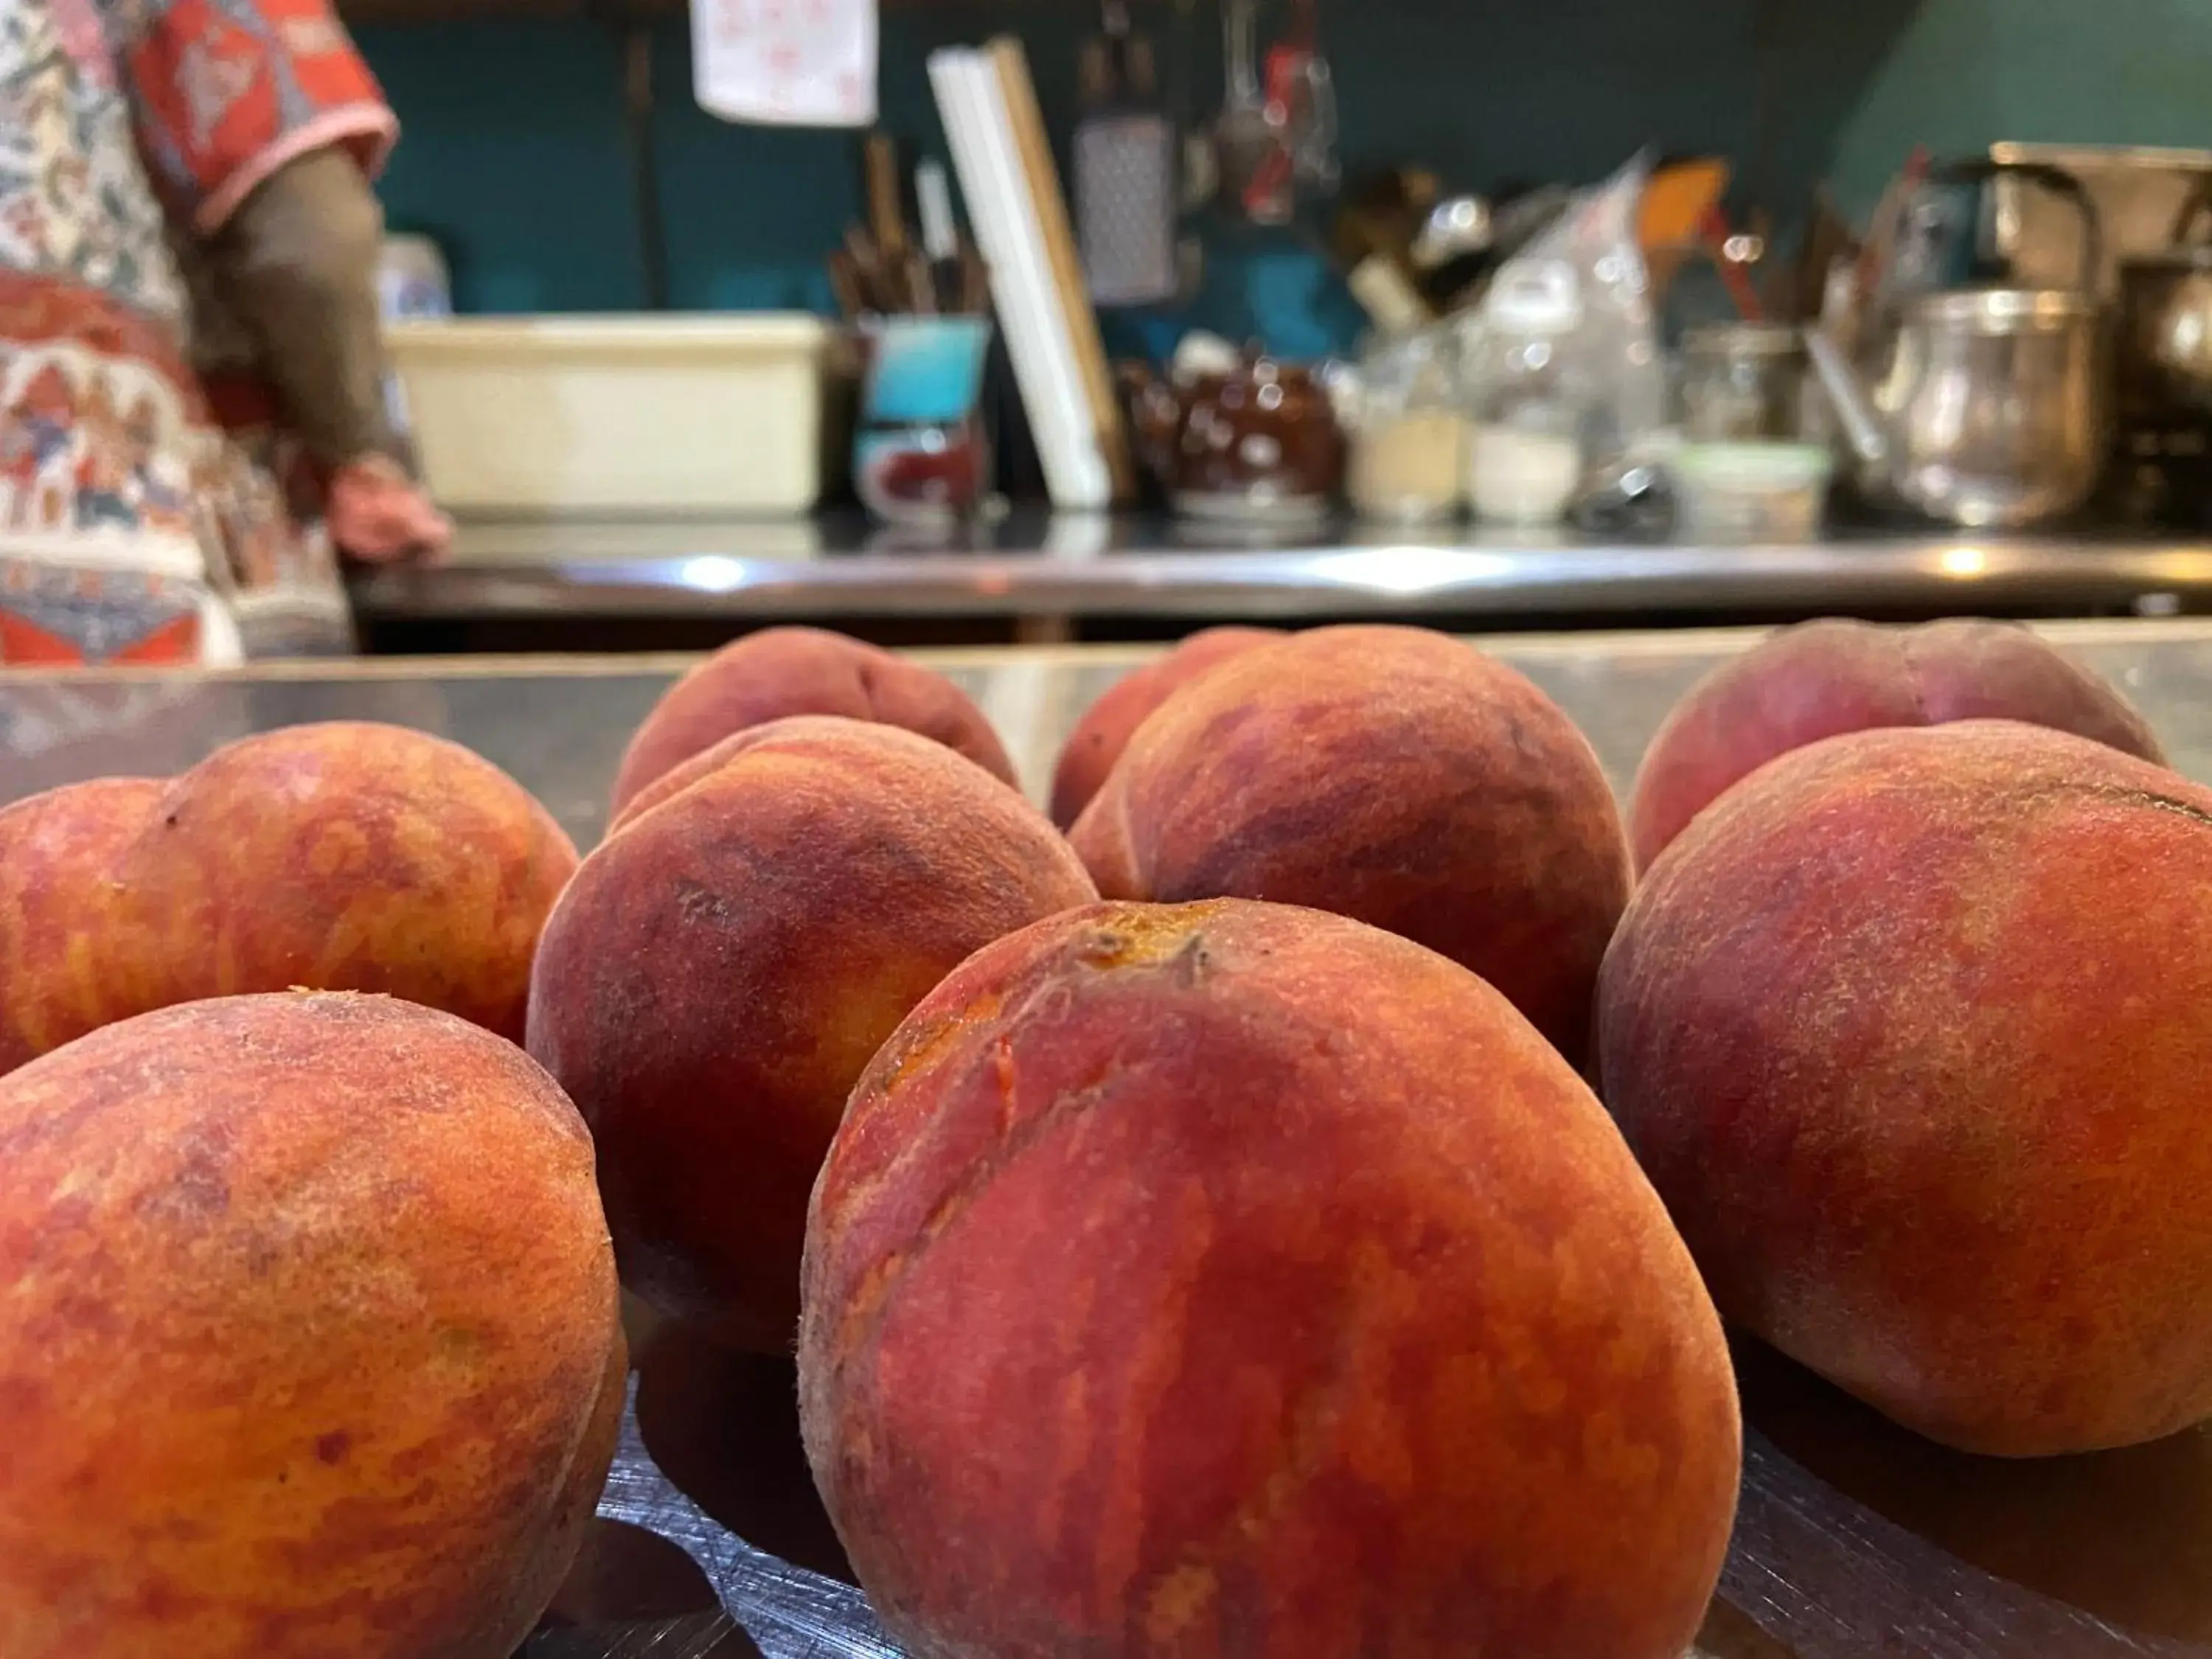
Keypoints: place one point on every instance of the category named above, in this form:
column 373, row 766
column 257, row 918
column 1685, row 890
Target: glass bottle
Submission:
column 1525, row 450
column 1410, row 442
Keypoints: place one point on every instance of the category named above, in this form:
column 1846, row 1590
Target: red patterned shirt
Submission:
column 225, row 92
column 131, row 524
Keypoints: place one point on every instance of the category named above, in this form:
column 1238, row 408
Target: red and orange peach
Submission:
column 783, row 671
column 1390, row 775
column 1106, row 727
column 1911, row 1029
column 726, row 963
column 312, row 1343
column 1821, row 679
column 1233, row 1281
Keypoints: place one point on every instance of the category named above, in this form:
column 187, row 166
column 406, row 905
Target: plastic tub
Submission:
column 1750, row 492
column 703, row 414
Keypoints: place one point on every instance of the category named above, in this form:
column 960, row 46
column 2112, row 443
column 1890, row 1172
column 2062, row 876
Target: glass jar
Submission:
column 1525, row 446
column 1743, row 381
column 1411, row 434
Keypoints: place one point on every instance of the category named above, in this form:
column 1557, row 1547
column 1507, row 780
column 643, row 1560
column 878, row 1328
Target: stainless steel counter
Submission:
column 1853, row 1538
column 1034, row 567
column 559, row 724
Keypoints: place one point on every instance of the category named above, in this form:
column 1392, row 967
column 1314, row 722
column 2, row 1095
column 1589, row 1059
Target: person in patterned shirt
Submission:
column 192, row 420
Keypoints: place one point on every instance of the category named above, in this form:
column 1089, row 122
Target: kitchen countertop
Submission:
column 559, row 723
column 1032, row 565
column 1853, row 1538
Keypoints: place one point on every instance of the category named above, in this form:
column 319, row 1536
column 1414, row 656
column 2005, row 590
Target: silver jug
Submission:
column 2166, row 320
column 1982, row 407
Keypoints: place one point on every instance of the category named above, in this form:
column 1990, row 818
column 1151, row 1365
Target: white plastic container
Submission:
column 704, row 414
column 1751, row 492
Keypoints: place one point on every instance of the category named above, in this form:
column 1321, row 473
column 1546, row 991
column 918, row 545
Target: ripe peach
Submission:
column 341, row 857
column 1104, row 731
column 1821, row 679
column 1911, row 1030
column 782, row 672
column 1389, row 774
column 311, row 1343
column 59, row 911
column 1232, row 1281
column 723, row 967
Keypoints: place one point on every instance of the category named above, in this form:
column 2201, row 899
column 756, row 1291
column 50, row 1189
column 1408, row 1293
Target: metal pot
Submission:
column 1982, row 407
column 2137, row 193
column 2166, row 321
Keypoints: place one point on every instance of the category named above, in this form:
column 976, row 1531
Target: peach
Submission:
column 57, row 908
column 1911, row 1030
column 1105, row 730
column 679, row 779
column 724, row 966
column 1231, row 1279
column 1389, row 774
column 782, row 672
column 340, row 857
column 1821, row 679
column 312, row 1342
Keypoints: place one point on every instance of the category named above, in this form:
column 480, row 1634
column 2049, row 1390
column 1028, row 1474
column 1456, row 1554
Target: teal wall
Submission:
column 1964, row 73
column 512, row 152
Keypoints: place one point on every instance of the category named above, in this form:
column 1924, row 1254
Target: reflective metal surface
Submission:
column 1988, row 408
column 1107, row 568
column 560, row 724
column 2138, row 193
column 1853, row 1538
column 2165, row 330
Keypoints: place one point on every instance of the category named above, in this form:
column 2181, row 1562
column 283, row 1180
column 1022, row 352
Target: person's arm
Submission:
column 297, row 261
column 274, row 182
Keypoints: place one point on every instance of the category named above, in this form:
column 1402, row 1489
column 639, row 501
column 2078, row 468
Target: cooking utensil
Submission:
column 1982, row 407
column 1246, row 135
column 2166, row 320
column 2138, row 193
column 940, row 239
column 887, row 202
column 1125, row 170
column 1300, row 92
column 848, row 287
column 1302, row 84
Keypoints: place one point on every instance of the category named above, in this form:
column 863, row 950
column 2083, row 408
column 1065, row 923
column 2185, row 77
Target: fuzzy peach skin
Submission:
column 708, row 761
column 1106, row 728
column 1911, row 1031
column 348, row 856
column 310, row 1343
column 1821, row 679
column 724, row 966
column 783, row 671
column 1232, row 1281
column 59, row 914
column 1389, row 774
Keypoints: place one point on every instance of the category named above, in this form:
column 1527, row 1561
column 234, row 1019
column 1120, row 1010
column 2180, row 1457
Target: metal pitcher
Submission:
column 2165, row 319
column 1985, row 407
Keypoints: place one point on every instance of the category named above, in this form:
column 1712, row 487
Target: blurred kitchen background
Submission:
column 516, row 156
column 556, row 163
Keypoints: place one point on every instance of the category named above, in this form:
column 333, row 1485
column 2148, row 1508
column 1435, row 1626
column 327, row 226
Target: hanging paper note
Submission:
column 785, row 62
